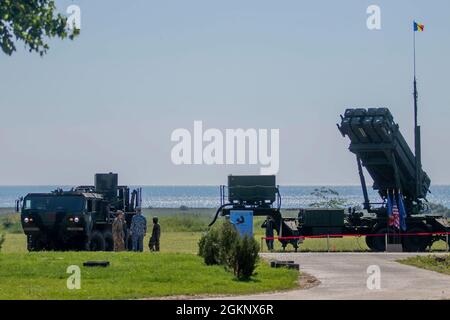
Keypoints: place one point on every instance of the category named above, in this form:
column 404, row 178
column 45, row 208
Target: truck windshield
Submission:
column 54, row 203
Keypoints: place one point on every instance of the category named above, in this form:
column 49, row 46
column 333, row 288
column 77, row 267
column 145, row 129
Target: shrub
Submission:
column 11, row 223
column 2, row 239
column 245, row 257
column 224, row 246
column 208, row 247
column 228, row 239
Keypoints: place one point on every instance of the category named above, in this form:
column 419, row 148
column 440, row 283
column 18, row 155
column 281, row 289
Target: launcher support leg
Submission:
column 363, row 184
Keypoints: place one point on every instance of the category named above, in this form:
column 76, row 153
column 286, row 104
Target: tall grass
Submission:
column 10, row 223
column 189, row 222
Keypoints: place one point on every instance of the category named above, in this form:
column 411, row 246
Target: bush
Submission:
column 208, row 247
column 245, row 257
column 11, row 223
column 224, row 246
column 228, row 239
column 2, row 239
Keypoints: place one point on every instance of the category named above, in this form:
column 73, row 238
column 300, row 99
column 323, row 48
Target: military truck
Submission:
column 78, row 219
column 379, row 146
column 381, row 149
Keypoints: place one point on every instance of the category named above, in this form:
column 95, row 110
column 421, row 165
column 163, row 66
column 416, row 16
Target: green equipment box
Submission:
column 252, row 189
column 322, row 217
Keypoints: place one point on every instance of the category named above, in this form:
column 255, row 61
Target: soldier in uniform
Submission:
column 138, row 231
column 269, row 226
column 118, row 228
column 156, row 234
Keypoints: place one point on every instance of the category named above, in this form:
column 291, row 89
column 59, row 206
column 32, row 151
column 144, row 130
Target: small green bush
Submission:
column 11, row 223
column 2, row 239
column 245, row 257
column 224, row 246
column 208, row 247
column 228, row 239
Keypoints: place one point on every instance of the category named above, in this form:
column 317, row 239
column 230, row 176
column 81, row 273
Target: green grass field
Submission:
column 181, row 231
column 130, row 276
column 434, row 263
column 176, row 270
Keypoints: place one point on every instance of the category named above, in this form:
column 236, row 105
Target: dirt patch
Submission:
column 307, row 281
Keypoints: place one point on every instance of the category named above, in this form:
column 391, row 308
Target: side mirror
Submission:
column 19, row 204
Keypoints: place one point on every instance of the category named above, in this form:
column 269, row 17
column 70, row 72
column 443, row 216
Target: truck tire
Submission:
column 379, row 242
column 97, row 242
column 109, row 241
column 416, row 243
column 35, row 244
column 369, row 242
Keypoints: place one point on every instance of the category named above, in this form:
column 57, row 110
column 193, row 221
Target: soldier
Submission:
column 269, row 225
column 156, row 234
column 138, row 230
column 118, row 228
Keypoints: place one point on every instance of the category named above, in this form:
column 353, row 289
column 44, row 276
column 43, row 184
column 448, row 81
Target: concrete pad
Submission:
column 345, row 275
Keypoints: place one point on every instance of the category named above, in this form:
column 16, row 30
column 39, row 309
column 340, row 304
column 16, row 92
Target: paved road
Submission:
column 344, row 276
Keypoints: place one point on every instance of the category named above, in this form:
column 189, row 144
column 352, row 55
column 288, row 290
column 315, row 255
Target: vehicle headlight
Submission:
column 26, row 220
column 76, row 219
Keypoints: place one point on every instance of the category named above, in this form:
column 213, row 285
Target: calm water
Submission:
column 208, row 197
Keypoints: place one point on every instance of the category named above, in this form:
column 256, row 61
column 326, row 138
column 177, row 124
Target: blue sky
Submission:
column 109, row 100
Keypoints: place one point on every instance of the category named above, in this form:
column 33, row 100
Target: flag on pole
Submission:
column 401, row 207
column 395, row 217
column 418, row 27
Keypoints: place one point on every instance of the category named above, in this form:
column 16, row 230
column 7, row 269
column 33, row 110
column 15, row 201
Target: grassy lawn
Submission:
column 176, row 270
column 130, row 276
column 181, row 231
column 439, row 263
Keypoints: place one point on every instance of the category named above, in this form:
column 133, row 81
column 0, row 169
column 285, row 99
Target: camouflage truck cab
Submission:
column 79, row 219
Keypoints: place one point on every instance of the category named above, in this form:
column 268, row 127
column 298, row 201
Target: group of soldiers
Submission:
column 137, row 232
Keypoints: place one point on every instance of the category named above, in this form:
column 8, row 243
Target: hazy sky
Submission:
column 109, row 100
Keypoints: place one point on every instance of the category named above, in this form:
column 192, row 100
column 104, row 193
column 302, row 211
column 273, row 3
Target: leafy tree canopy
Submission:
column 32, row 22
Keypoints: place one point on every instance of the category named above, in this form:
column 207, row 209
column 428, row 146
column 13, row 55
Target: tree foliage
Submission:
column 32, row 22
column 327, row 198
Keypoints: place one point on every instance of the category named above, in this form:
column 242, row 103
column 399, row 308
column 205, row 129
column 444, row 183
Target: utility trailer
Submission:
column 261, row 195
column 78, row 219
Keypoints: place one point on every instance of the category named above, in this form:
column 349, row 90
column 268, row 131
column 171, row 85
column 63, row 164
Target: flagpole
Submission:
column 417, row 148
column 415, row 80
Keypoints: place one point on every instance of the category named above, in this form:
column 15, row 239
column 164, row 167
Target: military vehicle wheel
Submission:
column 109, row 241
column 416, row 243
column 35, row 245
column 379, row 242
column 369, row 243
column 97, row 242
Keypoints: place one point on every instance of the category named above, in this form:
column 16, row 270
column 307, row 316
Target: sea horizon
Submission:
column 206, row 196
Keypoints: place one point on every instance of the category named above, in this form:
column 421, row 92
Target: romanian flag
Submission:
column 418, row 27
